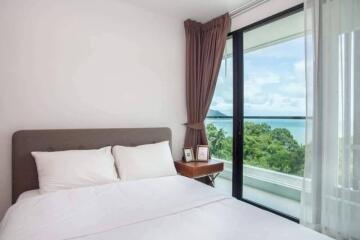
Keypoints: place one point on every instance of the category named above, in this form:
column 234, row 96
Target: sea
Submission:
column 295, row 126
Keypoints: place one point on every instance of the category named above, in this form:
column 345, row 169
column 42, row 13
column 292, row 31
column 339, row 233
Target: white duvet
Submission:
column 160, row 208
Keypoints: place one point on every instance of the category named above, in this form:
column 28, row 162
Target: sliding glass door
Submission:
column 256, row 122
column 270, row 110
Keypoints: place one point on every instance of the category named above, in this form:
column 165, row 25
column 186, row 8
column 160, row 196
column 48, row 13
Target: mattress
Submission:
column 28, row 194
column 160, row 208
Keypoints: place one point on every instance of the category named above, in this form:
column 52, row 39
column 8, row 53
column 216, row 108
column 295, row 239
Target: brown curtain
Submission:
column 205, row 45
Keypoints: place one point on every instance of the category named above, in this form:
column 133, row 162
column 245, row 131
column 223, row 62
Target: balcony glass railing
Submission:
column 273, row 189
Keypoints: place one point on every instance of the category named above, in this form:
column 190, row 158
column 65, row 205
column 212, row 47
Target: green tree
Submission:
column 220, row 145
column 274, row 149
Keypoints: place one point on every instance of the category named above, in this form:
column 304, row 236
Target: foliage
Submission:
column 274, row 149
column 220, row 145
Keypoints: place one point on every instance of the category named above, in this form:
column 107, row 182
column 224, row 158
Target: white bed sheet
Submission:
column 29, row 194
column 161, row 208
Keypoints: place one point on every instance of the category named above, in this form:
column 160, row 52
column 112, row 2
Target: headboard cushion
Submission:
column 24, row 173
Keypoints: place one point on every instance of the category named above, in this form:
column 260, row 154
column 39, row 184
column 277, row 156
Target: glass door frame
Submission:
column 238, row 108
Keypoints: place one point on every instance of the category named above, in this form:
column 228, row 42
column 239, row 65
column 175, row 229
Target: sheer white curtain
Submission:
column 331, row 192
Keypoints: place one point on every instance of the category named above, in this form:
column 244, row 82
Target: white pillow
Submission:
column 145, row 161
column 74, row 168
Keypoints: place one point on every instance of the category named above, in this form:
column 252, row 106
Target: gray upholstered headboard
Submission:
column 24, row 173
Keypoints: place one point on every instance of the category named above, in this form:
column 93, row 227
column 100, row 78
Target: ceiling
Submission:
column 200, row 10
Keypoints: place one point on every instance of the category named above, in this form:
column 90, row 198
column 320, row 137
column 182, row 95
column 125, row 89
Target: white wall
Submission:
column 261, row 12
column 87, row 64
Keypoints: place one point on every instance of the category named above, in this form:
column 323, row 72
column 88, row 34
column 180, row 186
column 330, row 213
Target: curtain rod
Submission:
column 246, row 7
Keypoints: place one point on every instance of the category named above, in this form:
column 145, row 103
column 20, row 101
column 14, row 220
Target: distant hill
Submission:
column 215, row 113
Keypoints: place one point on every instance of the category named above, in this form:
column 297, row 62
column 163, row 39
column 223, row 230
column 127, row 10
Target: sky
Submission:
column 274, row 81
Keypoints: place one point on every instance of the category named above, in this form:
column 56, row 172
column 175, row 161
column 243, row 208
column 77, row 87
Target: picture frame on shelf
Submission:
column 189, row 154
column 202, row 153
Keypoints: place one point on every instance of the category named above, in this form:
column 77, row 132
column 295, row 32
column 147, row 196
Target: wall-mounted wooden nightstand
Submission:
column 210, row 169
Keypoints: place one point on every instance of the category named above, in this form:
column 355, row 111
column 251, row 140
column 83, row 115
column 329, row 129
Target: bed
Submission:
column 172, row 207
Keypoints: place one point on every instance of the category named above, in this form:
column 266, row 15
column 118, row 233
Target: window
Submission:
column 219, row 121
